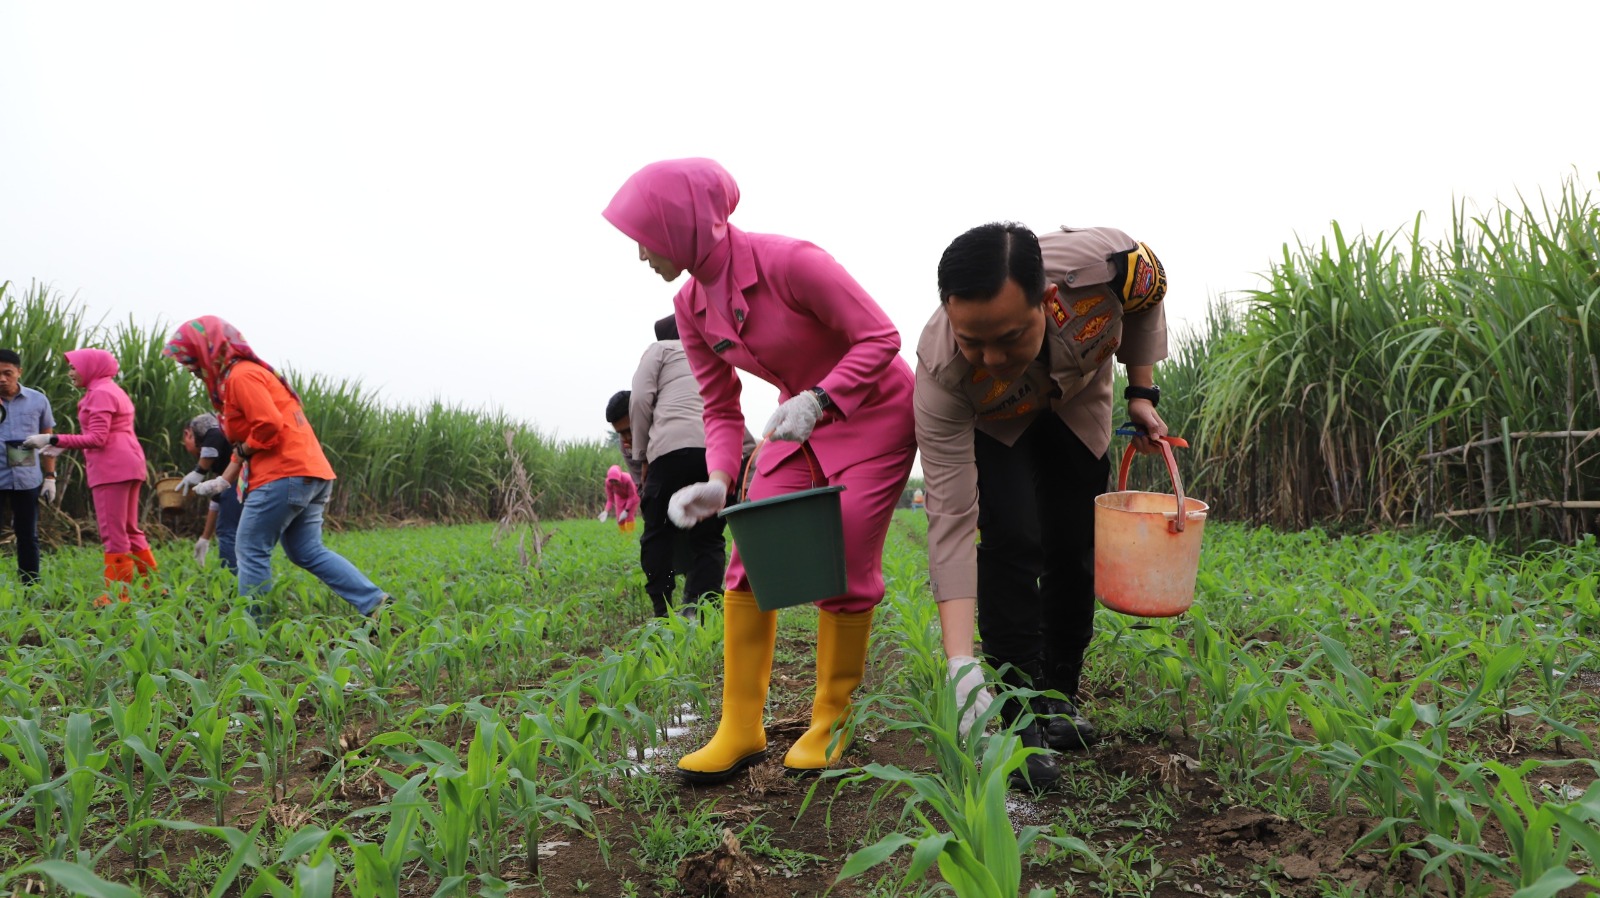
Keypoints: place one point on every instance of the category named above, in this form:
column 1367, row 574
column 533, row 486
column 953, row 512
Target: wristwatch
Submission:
column 1151, row 393
column 823, row 401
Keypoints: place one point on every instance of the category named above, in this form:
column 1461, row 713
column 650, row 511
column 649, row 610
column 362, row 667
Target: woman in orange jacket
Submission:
column 287, row 480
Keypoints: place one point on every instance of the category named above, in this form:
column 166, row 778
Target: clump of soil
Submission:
column 723, row 872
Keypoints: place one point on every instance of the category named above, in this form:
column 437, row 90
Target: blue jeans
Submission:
column 290, row 511
column 228, row 509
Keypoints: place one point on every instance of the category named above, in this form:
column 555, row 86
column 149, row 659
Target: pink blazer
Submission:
column 803, row 323
column 621, row 493
column 111, row 452
column 779, row 308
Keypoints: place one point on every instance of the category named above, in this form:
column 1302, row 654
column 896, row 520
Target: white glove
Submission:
column 696, row 502
column 794, row 420
column 190, row 481
column 212, row 487
column 968, row 676
column 48, row 491
column 201, row 547
column 37, row 441
column 603, row 515
column 622, row 515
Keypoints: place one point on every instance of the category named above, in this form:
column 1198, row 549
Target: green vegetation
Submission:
column 1315, row 399
column 437, row 461
column 1408, row 712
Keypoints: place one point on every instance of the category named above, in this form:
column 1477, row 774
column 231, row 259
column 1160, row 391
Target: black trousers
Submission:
column 1036, row 551
column 699, row 553
column 25, row 524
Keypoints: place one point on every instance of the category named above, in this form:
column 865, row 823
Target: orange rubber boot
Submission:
column 119, row 573
column 144, row 561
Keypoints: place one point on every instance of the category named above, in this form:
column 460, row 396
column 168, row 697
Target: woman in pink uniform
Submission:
column 115, row 464
column 622, row 499
column 785, row 311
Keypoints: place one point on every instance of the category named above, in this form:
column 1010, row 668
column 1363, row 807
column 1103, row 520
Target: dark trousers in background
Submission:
column 705, row 555
column 1036, row 551
column 25, row 524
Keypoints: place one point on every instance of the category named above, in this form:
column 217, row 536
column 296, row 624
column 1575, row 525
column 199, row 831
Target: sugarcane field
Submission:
column 439, row 462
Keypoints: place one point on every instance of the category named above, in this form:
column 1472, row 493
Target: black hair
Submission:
column 617, row 406
column 667, row 328
column 977, row 264
column 10, row 357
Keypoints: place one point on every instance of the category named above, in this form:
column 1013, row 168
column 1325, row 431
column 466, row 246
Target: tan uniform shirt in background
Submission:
column 665, row 410
column 1085, row 328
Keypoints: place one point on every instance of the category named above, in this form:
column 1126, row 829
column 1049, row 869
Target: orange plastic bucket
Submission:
column 1147, row 545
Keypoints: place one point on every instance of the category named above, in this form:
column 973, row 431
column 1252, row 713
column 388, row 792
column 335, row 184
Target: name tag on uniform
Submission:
column 722, row 345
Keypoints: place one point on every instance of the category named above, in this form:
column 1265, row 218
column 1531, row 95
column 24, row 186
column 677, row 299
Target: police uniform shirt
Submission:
column 1108, row 306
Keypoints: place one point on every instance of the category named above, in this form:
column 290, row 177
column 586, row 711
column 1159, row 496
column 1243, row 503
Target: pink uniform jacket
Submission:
column 111, row 452
column 621, row 494
column 777, row 307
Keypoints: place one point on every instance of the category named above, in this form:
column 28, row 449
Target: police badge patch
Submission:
column 1141, row 278
column 1057, row 313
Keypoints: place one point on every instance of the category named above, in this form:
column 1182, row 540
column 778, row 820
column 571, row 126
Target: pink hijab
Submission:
column 679, row 208
column 92, row 364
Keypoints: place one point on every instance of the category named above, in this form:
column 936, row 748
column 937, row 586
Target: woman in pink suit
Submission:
column 622, row 499
column 785, row 311
column 115, row 464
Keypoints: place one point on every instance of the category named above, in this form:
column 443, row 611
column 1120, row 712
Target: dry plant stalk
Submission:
column 521, row 504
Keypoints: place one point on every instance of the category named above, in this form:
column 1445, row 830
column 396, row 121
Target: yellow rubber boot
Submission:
column 748, row 634
column 841, row 662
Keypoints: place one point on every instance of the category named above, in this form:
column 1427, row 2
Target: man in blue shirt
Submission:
column 27, row 475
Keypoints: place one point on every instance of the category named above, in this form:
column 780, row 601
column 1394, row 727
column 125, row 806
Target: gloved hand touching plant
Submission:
column 967, row 674
column 606, row 513
column 190, row 481
column 696, row 502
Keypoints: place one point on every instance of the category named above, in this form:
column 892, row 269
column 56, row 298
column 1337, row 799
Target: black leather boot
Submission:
column 1040, row 772
column 1065, row 727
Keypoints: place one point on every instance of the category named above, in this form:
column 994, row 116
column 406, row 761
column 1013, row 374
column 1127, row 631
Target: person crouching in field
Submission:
column 287, row 479
column 622, row 499
column 115, row 466
column 203, row 438
column 1013, row 407
column 786, row 311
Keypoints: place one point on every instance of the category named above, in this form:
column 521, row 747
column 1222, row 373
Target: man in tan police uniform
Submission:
column 1013, row 410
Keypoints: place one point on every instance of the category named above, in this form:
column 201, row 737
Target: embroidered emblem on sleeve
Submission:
column 1106, row 351
column 1142, row 278
column 1093, row 328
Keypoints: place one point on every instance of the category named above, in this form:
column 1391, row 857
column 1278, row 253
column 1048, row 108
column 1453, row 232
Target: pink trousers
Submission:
column 872, row 488
column 116, row 510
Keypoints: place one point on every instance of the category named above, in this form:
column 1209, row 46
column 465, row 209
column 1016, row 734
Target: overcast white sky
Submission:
column 409, row 194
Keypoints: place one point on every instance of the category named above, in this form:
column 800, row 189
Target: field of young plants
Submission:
column 1335, row 717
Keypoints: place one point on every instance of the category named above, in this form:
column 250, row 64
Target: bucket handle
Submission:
column 1167, row 443
column 750, row 466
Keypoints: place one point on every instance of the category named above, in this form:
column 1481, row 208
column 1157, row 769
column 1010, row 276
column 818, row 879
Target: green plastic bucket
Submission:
column 792, row 546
